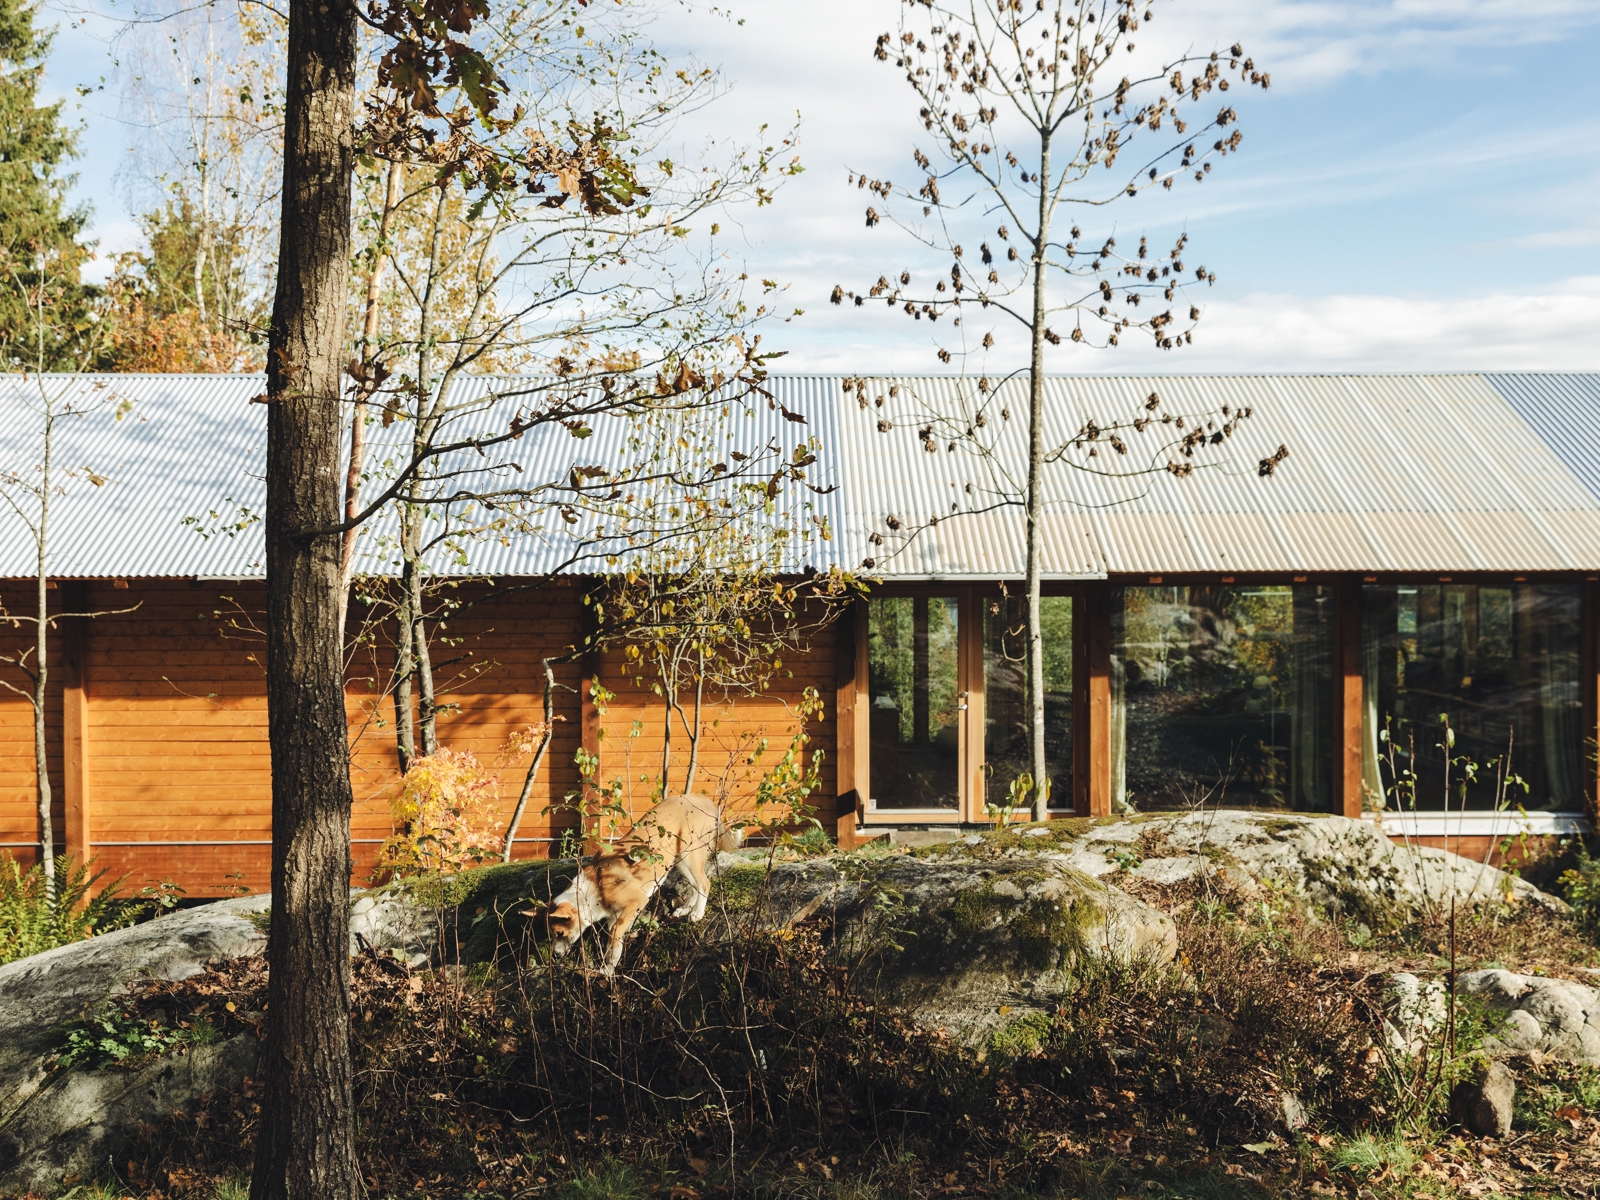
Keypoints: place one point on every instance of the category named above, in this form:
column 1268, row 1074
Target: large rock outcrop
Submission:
column 971, row 936
column 964, row 944
column 54, row 1122
column 1347, row 867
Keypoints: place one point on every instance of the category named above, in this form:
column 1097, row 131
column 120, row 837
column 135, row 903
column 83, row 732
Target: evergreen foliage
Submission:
column 38, row 230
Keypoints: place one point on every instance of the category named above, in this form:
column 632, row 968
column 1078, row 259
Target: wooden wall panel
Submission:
column 632, row 743
column 489, row 675
column 176, row 775
column 19, row 819
column 1097, row 648
column 1348, row 778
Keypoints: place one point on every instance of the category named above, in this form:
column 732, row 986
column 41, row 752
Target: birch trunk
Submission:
column 1034, row 507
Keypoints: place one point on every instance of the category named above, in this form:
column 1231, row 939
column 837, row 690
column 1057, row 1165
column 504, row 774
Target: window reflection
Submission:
column 1222, row 693
column 1005, row 698
column 912, row 655
column 1501, row 662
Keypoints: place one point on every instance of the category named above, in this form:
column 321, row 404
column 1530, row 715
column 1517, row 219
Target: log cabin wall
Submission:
column 744, row 735
column 19, row 805
column 157, row 724
column 170, row 756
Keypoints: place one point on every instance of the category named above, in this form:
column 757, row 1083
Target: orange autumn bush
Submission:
column 146, row 341
column 442, row 814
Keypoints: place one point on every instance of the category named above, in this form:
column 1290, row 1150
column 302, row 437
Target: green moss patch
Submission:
column 1022, row 1036
column 1045, row 932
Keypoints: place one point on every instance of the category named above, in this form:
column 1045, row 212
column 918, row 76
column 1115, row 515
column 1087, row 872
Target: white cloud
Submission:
column 1553, row 329
column 1471, row 138
column 1310, row 43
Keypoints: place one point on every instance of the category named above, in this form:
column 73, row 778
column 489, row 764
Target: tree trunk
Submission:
column 41, row 679
column 428, row 405
column 697, row 727
column 538, row 757
column 358, row 419
column 41, row 753
column 427, row 701
column 404, row 668
column 305, row 1148
column 1034, row 508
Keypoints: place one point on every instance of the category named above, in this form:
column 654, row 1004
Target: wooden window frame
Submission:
column 966, row 609
column 855, row 707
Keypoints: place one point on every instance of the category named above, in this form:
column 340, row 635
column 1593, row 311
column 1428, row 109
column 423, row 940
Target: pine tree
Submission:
column 36, row 224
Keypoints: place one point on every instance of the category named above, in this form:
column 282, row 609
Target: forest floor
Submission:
column 759, row 1067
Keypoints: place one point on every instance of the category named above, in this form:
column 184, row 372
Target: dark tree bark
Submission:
column 305, row 1147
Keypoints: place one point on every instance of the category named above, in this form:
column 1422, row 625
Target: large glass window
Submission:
column 1005, row 695
column 913, row 669
column 1222, row 694
column 1502, row 663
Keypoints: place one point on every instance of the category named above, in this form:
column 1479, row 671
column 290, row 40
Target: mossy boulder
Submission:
column 1340, row 865
column 55, row 1121
column 967, row 945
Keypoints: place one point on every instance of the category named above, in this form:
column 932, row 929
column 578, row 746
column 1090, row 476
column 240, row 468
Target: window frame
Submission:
column 970, row 597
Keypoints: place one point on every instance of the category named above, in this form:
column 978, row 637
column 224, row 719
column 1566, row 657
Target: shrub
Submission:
column 1580, row 886
column 30, row 922
column 441, row 815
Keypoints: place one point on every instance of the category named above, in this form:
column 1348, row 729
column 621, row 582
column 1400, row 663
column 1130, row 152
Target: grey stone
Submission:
column 1168, row 871
column 54, row 1121
column 1294, row 1112
column 1349, row 867
column 42, row 993
column 1090, row 862
column 1413, row 1012
column 78, row 1119
column 955, row 940
column 922, row 837
column 1482, row 1104
column 1554, row 1018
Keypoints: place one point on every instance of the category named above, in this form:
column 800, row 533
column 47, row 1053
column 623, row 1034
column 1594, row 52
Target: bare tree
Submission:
column 711, row 596
column 47, row 288
column 591, row 297
column 1024, row 102
column 203, row 93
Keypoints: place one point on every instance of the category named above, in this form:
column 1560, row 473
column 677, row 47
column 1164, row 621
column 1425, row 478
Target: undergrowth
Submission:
column 738, row 1056
column 742, row 1057
column 32, row 920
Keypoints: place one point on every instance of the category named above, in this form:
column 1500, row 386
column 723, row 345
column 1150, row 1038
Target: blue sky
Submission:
column 1417, row 191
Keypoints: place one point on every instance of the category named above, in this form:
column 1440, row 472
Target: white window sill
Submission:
column 1483, row 824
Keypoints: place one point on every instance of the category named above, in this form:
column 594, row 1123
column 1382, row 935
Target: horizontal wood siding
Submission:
column 177, row 764
column 732, row 759
column 19, row 803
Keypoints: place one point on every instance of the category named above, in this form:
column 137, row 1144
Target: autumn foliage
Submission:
column 442, row 814
column 147, row 341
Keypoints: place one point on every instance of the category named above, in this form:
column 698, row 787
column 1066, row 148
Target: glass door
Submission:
column 1005, row 697
column 917, row 705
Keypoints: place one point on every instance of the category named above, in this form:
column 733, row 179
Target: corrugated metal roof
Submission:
column 1565, row 412
column 184, row 492
column 1385, row 473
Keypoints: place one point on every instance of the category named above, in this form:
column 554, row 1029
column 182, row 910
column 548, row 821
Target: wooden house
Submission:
column 1426, row 554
